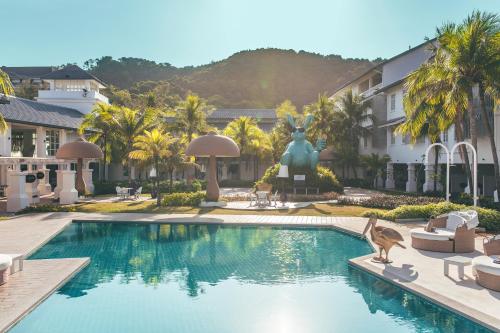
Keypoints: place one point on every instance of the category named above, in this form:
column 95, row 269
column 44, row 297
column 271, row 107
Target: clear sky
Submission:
column 194, row 32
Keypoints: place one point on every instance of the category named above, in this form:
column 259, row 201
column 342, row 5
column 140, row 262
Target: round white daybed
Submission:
column 487, row 272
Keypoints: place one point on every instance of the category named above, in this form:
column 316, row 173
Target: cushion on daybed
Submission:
column 486, row 264
column 438, row 234
column 5, row 261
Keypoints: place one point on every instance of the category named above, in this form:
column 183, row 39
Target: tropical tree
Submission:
column 6, row 89
column 251, row 140
column 285, row 108
column 152, row 146
column 376, row 166
column 191, row 117
column 351, row 121
column 176, row 161
column 127, row 125
column 99, row 126
column 323, row 112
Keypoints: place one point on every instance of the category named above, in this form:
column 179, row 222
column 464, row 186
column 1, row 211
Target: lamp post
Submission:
column 283, row 174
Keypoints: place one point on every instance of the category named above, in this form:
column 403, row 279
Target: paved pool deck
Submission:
column 420, row 272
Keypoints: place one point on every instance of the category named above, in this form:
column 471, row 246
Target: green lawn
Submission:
column 150, row 207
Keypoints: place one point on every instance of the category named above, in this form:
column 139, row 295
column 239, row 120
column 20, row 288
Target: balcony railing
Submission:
column 370, row 91
column 62, row 94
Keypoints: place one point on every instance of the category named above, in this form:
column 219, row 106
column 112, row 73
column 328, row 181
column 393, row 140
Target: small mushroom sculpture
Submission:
column 212, row 146
column 79, row 150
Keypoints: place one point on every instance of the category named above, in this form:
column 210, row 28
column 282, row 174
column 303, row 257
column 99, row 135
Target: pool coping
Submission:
column 83, row 263
column 361, row 263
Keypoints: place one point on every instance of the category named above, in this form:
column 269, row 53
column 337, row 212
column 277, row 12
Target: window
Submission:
column 393, row 135
column 406, row 139
column 52, row 142
column 393, row 102
column 445, row 136
column 17, row 141
column 363, row 86
column 376, row 79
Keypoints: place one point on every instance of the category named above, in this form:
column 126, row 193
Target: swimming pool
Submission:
column 210, row 278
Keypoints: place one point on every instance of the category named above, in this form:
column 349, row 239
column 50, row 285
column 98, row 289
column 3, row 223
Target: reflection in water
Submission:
column 199, row 260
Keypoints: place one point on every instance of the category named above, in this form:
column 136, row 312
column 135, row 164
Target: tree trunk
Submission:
column 463, row 150
column 105, row 153
column 354, row 171
column 158, row 199
column 436, row 164
column 472, row 120
column 171, row 181
column 491, row 136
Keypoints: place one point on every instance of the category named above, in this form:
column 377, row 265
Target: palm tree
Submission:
column 426, row 120
column 152, row 147
column 176, row 161
column 376, row 166
column 191, row 117
column 99, row 124
column 6, row 89
column 323, row 112
column 127, row 125
column 250, row 139
column 351, row 122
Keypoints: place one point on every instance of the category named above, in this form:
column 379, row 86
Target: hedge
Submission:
column 183, row 199
column 323, row 178
column 488, row 218
column 179, row 186
column 384, row 201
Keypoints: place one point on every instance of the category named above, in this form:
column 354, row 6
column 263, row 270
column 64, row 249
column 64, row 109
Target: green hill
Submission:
column 257, row 78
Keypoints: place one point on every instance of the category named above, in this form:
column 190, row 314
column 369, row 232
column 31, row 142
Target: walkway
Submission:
column 418, row 271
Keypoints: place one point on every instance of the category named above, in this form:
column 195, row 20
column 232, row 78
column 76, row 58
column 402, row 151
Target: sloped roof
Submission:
column 28, row 72
column 263, row 114
column 25, row 111
column 71, row 72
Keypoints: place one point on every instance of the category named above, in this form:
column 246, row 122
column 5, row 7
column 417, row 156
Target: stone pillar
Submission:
column 68, row 193
column 16, row 191
column 40, row 142
column 429, row 179
column 411, row 183
column 389, row 181
column 44, row 187
column 87, row 179
column 32, row 188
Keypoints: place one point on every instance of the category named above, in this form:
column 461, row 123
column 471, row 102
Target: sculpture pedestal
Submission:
column 44, row 187
column 68, row 193
column 16, row 191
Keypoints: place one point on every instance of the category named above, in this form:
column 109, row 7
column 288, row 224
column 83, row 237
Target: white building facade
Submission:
column 383, row 86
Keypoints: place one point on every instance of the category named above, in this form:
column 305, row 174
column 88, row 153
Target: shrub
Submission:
column 384, row 201
column 323, row 178
column 488, row 218
column 148, row 186
column 45, row 208
column 183, row 199
column 236, row 183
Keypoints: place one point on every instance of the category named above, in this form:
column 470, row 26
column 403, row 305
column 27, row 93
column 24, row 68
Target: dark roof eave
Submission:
column 15, row 121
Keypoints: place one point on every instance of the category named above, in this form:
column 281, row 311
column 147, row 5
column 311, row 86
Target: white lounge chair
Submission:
column 485, row 269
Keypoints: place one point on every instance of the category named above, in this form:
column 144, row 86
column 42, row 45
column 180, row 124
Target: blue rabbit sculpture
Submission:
column 300, row 153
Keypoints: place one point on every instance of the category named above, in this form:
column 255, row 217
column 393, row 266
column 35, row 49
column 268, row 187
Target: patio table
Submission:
column 460, row 262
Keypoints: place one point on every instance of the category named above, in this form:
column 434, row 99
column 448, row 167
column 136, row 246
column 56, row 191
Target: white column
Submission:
column 59, row 181
column 44, row 187
column 389, row 182
column 411, row 184
column 40, row 142
column 68, row 193
column 16, row 191
column 87, row 179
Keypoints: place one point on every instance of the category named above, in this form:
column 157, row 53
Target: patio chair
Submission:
column 274, row 197
column 486, row 270
column 138, row 193
column 121, row 192
column 452, row 233
column 5, row 263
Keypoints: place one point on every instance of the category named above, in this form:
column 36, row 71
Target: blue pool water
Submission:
column 210, row 278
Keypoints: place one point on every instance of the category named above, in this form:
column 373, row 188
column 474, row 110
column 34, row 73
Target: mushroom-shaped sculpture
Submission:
column 78, row 150
column 212, row 146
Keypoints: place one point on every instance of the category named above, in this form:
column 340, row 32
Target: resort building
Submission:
column 383, row 87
